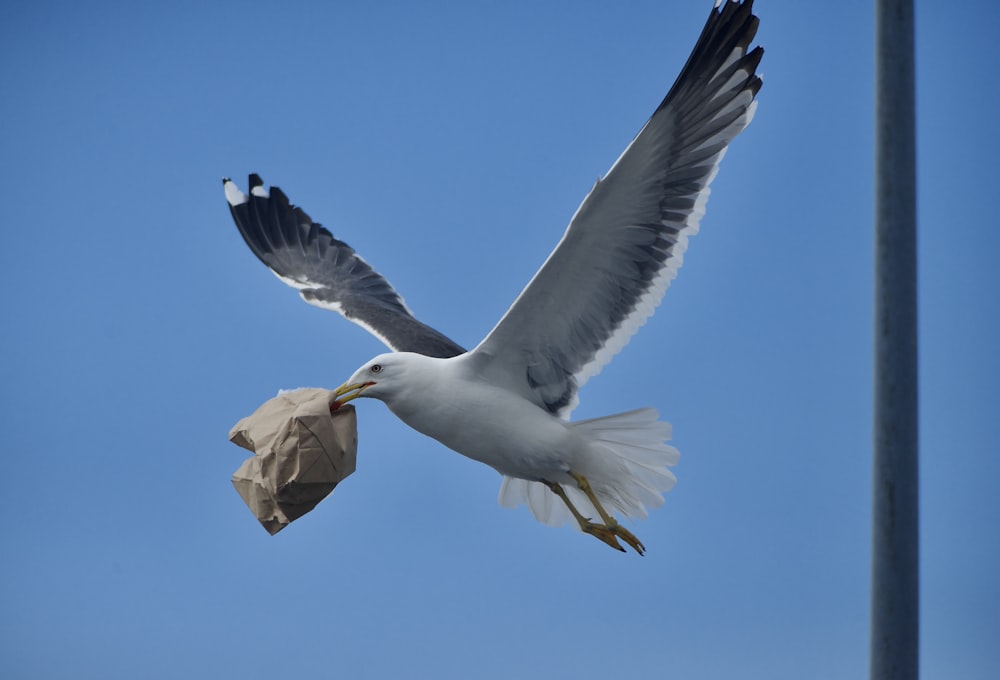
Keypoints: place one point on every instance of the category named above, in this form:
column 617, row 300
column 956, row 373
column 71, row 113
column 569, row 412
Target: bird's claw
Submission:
column 630, row 538
column 611, row 534
column 603, row 533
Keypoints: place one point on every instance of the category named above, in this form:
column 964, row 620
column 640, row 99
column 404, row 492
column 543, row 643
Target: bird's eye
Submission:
column 376, row 368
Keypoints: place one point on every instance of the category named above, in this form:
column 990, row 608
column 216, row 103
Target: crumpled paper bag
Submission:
column 302, row 451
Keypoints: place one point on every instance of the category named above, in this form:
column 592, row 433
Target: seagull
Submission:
column 506, row 402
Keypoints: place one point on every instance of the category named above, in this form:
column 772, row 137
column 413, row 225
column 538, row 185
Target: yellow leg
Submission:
column 609, row 521
column 597, row 530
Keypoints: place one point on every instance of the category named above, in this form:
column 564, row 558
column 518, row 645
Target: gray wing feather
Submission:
column 327, row 272
column 626, row 241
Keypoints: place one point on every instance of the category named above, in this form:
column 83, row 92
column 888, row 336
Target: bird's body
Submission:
column 506, row 403
column 447, row 400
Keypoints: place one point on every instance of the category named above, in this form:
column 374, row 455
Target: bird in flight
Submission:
column 507, row 401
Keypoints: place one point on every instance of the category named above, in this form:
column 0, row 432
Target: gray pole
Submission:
column 895, row 568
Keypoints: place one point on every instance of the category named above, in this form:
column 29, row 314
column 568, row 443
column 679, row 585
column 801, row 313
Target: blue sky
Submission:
column 450, row 145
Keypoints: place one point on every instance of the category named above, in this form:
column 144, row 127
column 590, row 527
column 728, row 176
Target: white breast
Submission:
column 486, row 423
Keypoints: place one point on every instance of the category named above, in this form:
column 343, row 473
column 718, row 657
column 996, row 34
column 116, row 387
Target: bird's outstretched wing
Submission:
column 626, row 241
column 327, row 272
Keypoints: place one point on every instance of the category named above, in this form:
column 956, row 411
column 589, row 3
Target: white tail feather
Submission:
column 626, row 467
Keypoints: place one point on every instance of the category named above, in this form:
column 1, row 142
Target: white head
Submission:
column 383, row 377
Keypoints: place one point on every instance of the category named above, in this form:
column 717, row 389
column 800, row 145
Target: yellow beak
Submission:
column 348, row 392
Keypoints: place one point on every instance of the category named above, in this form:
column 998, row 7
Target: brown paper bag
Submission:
column 301, row 452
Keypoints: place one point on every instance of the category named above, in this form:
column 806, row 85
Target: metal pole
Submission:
column 895, row 566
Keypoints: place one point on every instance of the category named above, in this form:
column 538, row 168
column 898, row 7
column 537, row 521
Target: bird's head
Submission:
column 378, row 378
